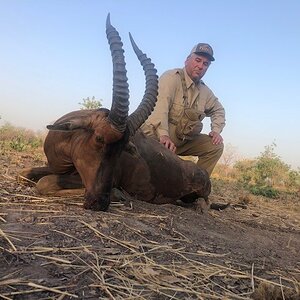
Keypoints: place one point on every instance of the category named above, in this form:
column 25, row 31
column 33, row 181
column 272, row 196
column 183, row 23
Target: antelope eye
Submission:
column 100, row 139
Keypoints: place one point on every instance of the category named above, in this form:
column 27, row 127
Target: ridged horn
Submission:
column 120, row 97
column 143, row 111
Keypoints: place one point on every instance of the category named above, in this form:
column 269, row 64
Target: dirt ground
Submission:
column 51, row 248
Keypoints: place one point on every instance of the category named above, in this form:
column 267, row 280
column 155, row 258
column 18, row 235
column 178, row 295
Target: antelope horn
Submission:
column 143, row 111
column 120, row 97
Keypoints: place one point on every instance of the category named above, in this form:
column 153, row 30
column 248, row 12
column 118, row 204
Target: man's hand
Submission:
column 216, row 138
column 166, row 141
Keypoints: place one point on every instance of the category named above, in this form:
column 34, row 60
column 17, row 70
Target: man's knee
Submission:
column 214, row 152
column 219, row 149
column 209, row 160
column 210, row 148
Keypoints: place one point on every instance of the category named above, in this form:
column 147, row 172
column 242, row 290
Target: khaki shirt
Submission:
column 170, row 106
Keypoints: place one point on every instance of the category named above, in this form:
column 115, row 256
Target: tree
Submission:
column 267, row 171
column 90, row 103
column 293, row 180
column 245, row 171
column 229, row 157
column 270, row 169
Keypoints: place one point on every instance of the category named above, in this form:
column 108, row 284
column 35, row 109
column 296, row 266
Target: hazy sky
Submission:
column 54, row 53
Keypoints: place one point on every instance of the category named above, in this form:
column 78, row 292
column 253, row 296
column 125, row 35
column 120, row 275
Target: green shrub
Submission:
column 18, row 144
column 267, row 170
column 245, row 171
column 19, row 139
column 265, row 191
column 293, row 180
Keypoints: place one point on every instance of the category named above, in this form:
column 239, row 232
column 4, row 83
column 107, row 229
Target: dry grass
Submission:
column 52, row 249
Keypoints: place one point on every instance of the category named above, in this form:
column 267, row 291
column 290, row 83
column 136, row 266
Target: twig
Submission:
column 252, row 277
column 54, row 290
column 121, row 243
column 282, row 293
column 2, row 233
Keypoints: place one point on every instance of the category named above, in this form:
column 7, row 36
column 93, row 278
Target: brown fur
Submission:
column 80, row 156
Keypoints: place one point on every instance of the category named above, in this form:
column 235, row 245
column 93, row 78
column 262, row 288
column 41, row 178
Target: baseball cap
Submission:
column 205, row 49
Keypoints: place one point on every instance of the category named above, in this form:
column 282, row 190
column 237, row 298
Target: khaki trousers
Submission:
column 201, row 146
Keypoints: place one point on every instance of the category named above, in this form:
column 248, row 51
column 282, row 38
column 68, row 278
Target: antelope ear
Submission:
column 70, row 125
column 61, row 127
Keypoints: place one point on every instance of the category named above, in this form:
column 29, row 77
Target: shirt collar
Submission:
column 188, row 79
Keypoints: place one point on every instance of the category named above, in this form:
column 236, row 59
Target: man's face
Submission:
column 196, row 66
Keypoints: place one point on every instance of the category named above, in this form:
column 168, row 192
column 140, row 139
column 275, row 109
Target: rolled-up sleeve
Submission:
column 166, row 92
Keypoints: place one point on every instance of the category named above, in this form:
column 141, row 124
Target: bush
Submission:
column 245, row 171
column 265, row 191
column 19, row 139
column 267, row 171
column 264, row 175
column 293, row 180
column 18, row 144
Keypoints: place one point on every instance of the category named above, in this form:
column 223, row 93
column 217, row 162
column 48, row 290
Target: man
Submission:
column 183, row 102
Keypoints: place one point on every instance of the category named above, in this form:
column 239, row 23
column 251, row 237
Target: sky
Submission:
column 54, row 53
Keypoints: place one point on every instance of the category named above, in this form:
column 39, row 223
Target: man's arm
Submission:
column 159, row 118
column 166, row 93
column 215, row 110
